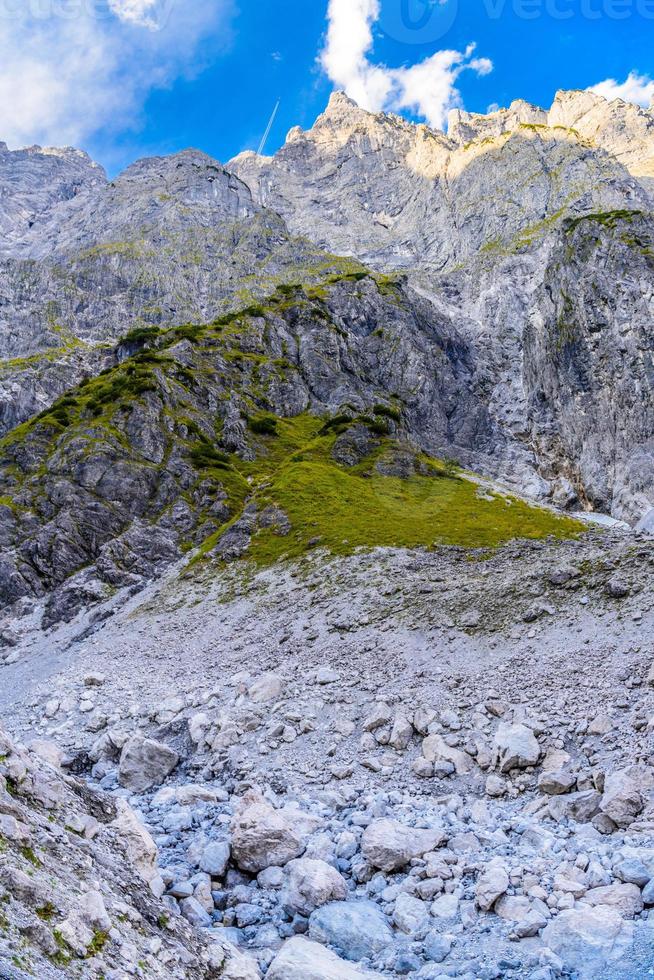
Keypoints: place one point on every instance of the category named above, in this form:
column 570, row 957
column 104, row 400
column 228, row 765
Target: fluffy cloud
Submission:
column 344, row 58
column 144, row 13
column 637, row 88
column 64, row 79
column 427, row 89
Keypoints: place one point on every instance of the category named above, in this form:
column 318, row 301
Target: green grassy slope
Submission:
column 342, row 508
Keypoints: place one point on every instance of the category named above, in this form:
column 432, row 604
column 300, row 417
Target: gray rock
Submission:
column 263, row 837
column 267, row 687
column 312, row 883
column 437, row 947
column 622, row 800
column 556, row 783
column 633, row 871
column 516, row 747
column 356, row 929
column 581, row 806
column 145, row 763
column 435, row 749
column 194, row 913
column 491, row 885
column 411, row 915
column 390, row 845
column 589, row 940
column 301, row 959
column 626, row 898
column 617, row 587
column 215, row 858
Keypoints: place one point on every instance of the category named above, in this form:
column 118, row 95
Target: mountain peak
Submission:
column 339, row 102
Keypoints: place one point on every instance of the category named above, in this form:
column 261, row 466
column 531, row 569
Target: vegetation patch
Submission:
column 29, row 855
column 264, row 425
column 287, row 465
column 205, row 456
column 46, row 912
column 97, row 944
column 64, row 953
column 344, row 508
column 142, row 335
column 349, row 509
column 390, row 411
column 607, row 219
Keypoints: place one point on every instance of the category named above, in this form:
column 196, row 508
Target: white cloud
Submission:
column 66, row 79
column 349, row 39
column 427, row 89
column 143, row 13
column 637, row 88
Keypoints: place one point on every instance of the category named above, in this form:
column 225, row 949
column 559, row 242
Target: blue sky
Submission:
column 155, row 76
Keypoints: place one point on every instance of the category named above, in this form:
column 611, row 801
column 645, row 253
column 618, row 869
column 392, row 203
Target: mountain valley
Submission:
column 326, row 515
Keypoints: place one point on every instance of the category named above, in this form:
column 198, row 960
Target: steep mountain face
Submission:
column 34, row 184
column 476, row 219
column 169, row 445
column 400, row 195
column 623, row 130
column 589, row 360
column 518, row 342
column 170, row 241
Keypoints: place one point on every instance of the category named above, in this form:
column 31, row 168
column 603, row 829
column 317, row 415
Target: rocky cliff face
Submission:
column 34, row 185
column 404, row 196
column 588, row 360
column 621, row 129
column 168, row 242
column 519, row 344
column 169, row 444
column 458, row 215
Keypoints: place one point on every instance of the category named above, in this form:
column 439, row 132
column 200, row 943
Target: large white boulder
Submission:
column 625, row 898
column 411, row 915
column 301, row 959
column 491, row 885
column 622, row 800
column 436, row 749
column 516, row 747
column 137, row 842
column 356, row 929
column 263, row 837
column 312, row 883
column 266, row 687
column 389, row 845
column 145, row 763
column 589, row 940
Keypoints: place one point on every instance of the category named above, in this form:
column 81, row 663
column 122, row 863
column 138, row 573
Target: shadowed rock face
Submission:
column 589, row 360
